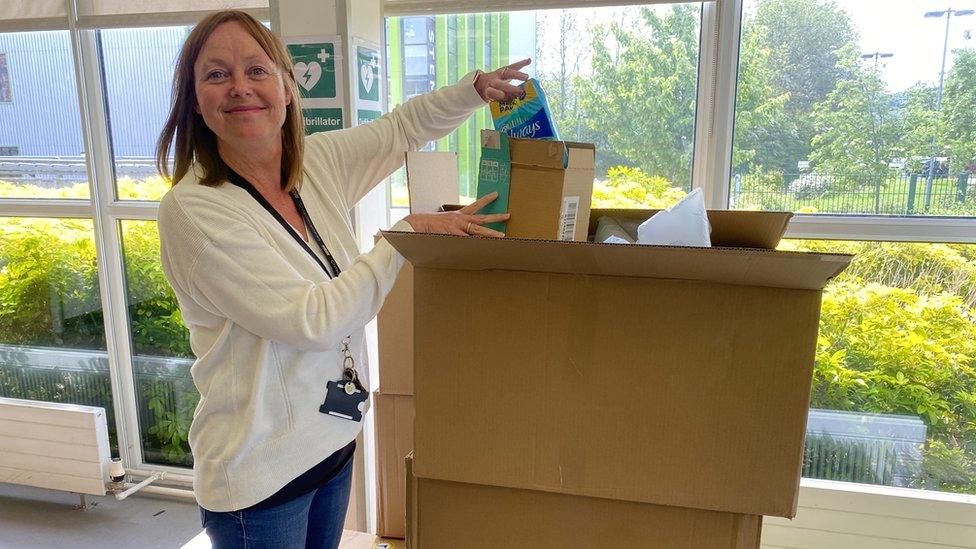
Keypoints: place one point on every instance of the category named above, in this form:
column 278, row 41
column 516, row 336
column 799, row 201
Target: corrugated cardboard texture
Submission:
column 451, row 515
column 661, row 391
column 394, row 440
column 726, row 265
column 730, row 229
column 395, row 336
column 540, row 182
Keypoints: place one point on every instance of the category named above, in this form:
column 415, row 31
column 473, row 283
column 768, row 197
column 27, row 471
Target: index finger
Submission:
column 518, row 65
column 476, row 206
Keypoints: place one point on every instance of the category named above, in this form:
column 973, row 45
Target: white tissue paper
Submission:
column 614, row 239
column 684, row 224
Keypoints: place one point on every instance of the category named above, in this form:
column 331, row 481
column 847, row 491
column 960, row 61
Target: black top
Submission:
column 312, row 479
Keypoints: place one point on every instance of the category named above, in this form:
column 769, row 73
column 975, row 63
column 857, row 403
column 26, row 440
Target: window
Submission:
column 838, row 113
column 44, row 125
column 161, row 356
column 138, row 66
column 52, row 340
column 894, row 389
column 622, row 78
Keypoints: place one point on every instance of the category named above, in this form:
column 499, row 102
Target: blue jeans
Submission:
column 313, row 521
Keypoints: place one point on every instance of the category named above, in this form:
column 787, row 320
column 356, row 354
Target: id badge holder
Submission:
column 344, row 398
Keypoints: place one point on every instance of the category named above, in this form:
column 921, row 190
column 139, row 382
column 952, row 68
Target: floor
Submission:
column 41, row 519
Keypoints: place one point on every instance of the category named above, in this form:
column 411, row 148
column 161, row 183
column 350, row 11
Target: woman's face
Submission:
column 240, row 92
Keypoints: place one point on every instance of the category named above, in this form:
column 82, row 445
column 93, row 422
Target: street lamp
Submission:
column 948, row 13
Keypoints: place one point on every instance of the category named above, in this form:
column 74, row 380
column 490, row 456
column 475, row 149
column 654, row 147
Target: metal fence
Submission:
column 895, row 195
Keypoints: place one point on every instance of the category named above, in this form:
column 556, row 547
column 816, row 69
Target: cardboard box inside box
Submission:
column 394, row 440
column 549, row 186
column 448, row 515
column 664, row 375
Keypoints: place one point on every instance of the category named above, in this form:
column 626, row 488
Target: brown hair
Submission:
column 194, row 141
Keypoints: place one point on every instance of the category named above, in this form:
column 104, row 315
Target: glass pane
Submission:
column 42, row 154
column 622, row 78
column 52, row 338
column 165, row 394
column 138, row 67
column 894, row 388
column 843, row 107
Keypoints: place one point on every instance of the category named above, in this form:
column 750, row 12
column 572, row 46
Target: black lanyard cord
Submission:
column 236, row 179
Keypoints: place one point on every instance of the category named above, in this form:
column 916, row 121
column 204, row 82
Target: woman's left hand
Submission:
column 496, row 86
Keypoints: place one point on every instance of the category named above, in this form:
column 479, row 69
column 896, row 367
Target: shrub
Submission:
column 632, row 188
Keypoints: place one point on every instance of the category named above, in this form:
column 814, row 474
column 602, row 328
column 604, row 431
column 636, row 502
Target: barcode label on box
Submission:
column 567, row 219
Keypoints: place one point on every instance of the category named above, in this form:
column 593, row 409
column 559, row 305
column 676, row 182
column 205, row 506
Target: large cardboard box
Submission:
column 394, row 440
column 395, row 336
column 666, row 375
column 548, row 188
column 447, row 515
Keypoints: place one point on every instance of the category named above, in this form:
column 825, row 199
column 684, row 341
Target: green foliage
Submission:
column 642, row 94
column 632, row 188
column 857, row 131
column 959, row 112
column 898, row 336
column 761, row 122
column 804, row 36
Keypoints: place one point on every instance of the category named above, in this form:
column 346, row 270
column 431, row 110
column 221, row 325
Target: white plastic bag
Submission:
column 684, row 224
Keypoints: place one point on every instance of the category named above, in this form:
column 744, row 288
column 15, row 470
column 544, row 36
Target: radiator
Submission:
column 55, row 446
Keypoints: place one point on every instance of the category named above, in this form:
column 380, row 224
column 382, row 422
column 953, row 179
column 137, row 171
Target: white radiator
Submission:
column 55, row 446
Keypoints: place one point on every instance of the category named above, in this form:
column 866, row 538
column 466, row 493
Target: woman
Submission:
column 257, row 243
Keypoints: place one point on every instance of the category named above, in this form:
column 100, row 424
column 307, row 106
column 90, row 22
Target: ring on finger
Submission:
column 468, row 228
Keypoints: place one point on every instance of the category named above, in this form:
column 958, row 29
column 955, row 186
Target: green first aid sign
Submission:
column 369, row 73
column 314, row 69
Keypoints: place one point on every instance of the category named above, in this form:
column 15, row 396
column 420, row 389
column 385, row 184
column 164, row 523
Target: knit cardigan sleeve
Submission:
column 365, row 155
column 224, row 265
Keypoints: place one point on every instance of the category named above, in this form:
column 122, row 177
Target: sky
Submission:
column 899, row 27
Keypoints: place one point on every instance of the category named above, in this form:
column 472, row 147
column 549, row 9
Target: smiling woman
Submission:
column 273, row 315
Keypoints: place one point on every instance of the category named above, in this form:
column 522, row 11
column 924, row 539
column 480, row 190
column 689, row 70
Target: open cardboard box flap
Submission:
column 750, row 267
column 730, row 228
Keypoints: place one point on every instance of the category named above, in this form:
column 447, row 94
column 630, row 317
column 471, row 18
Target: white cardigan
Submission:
column 265, row 321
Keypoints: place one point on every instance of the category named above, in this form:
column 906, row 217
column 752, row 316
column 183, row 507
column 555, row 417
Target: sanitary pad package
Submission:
column 528, row 116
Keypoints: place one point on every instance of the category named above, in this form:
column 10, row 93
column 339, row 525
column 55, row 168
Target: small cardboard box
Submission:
column 654, row 374
column 548, row 188
column 394, row 440
column 447, row 515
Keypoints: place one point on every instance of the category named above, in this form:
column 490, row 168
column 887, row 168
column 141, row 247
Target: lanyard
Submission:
column 236, row 179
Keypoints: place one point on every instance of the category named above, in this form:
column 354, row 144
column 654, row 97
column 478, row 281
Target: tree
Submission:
column 642, row 93
column 804, row 37
column 760, row 120
column 857, row 132
column 959, row 112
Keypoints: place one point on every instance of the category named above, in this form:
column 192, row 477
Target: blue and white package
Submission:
column 527, row 117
